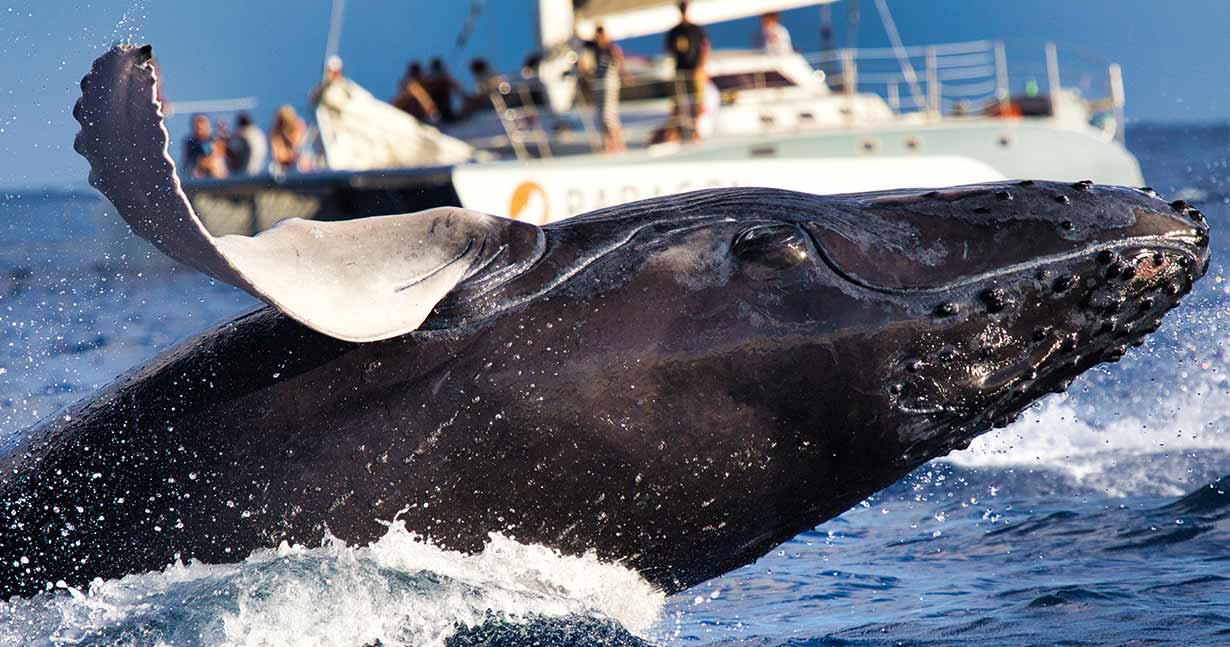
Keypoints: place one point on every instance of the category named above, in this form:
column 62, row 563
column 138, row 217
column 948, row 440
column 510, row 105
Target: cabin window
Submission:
column 751, row 81
column 643, row 90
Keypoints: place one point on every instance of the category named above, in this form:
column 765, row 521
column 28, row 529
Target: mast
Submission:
column 334, row 44
column 555, row 23
column 826, row 28
column 852, row 17
column 555, row 29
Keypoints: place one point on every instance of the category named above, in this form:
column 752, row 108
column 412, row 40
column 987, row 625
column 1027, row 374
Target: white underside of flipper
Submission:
column 358, row 280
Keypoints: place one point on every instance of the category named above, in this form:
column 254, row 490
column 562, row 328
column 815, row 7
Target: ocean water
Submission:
column 1102, row 517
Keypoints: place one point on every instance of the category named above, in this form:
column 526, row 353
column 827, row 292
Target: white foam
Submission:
column 400, row 590
column 1053, row 435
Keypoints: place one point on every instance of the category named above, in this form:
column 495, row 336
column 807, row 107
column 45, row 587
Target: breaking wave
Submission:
column 399, row 590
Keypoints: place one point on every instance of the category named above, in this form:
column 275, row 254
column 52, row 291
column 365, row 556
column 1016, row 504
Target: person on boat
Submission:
column 607, row 61
column 689, row 45
column 529, row 76
column 486, row 83
column 204, row 154
column 246, row 147
column 286, row 140
column 413, row 97
column 671, row 131
column 668, row 132
column 441, row 87
column 773, row 38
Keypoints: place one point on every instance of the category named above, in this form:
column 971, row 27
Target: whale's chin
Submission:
column 1034, row 335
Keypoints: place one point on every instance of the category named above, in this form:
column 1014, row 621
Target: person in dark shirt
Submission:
column 688, row 44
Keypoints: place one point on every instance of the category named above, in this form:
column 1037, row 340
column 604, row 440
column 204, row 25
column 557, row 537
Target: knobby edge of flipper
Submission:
column 358, row 280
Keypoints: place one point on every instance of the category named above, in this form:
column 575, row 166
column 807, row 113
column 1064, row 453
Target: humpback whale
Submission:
column 678, row 384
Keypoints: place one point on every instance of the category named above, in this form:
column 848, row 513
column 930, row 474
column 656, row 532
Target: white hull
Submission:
column 926, row 155
column 542, row 193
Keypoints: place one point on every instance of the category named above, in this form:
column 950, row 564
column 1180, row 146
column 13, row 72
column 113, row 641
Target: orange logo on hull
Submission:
column 529, row 204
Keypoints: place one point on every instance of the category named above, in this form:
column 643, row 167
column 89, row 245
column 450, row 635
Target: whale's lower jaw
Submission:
column 1114, row 297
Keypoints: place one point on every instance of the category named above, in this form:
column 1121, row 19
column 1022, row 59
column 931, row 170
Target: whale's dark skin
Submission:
column 714, row 373
column 678, row 384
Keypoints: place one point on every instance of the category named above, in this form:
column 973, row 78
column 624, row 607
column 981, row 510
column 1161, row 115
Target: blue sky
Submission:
column 1175, row 53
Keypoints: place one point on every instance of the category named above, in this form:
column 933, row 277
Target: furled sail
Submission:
column 360, row 132
column 629, row 18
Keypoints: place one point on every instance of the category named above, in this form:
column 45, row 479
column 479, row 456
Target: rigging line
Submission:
column 907, row 70
column 476, row 9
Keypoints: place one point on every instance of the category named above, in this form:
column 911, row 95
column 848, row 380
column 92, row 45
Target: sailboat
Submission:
column 836, row 121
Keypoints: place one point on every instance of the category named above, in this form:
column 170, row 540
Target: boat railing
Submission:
column 952, row 80
column 532, row 130
column 518, row 109
column 976, row 77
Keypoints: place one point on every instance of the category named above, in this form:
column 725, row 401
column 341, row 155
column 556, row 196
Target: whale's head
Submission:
column 900, row 324
column 963, row 306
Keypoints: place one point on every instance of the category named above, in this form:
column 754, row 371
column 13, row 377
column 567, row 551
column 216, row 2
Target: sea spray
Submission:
column 399, row 590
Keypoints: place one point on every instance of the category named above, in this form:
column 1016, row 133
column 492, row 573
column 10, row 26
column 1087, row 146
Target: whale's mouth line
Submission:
column 1179, row 242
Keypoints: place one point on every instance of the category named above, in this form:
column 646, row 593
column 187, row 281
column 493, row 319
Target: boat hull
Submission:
column 822, row 162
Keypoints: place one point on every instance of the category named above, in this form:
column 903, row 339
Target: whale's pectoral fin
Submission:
column 360, row 280
column 372, row 278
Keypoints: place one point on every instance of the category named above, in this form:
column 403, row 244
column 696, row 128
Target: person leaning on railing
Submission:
column 689, row 45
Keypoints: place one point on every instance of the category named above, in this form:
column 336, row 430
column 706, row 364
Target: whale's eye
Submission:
column 779, row 246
